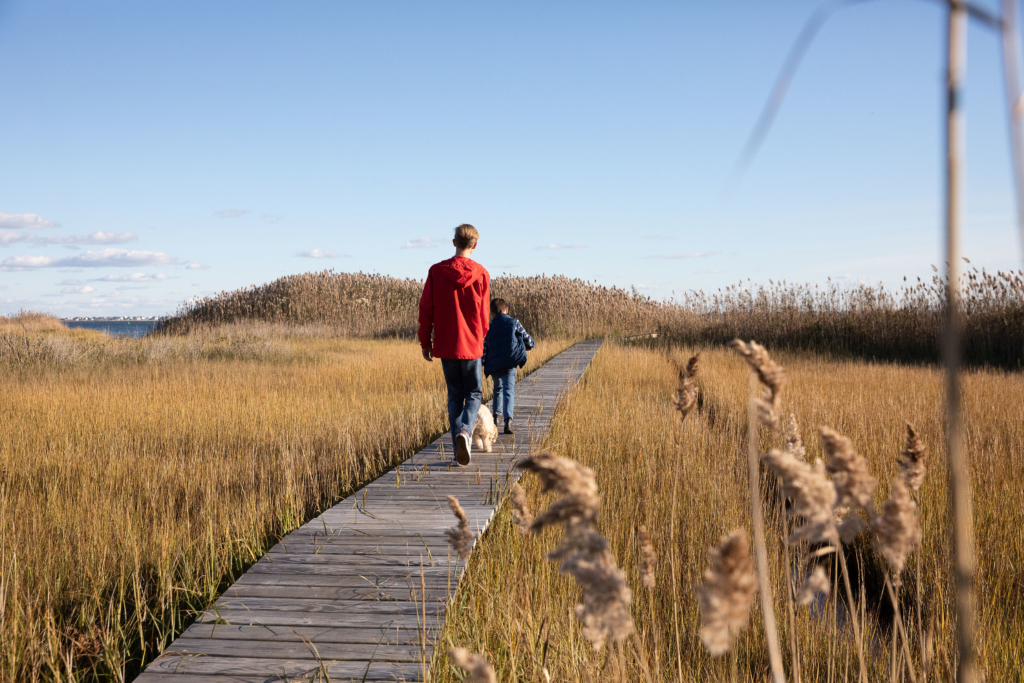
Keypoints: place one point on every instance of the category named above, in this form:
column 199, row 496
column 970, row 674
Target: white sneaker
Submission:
column 462, row 446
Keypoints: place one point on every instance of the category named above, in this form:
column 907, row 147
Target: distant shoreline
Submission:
column 126, row 319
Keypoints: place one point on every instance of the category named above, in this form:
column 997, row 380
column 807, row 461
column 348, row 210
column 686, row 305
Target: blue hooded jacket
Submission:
column 505, row 345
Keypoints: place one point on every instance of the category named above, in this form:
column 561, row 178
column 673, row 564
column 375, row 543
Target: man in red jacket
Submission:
column 454, row 307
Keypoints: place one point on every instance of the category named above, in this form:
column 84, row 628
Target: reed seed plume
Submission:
column 521, row 514
column 897, row 531
column 583, row 552
column 648, row 559
column 460, row 537
column 813, row 496
column 574, row 482
column 914, row 463
column 605, row 611
column 559, row 475
column 477, row 666
column 794, row 444
column 685, row 398
column 727, row 593
column 772, row 376
column 815, row 583
column 854, row 485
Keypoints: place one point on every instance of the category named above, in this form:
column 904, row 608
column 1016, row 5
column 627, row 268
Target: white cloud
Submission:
column 98, row 258
column 24, row 221
column 196, row 266
column 317, row 253
column 134, row 277
column 70, row 283
column 84, row 289
column 98, row 238
column 422, row 243
column 692, row 254
column 561, row 246
column 27, row 261
column 9, row 237
column 120, row 258
column 231, row 213
column 272, row 217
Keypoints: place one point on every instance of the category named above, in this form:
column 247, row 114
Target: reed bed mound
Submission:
column 29, row 321
column 516, row 608
column 372, row 305
column 863, row 321
column 138, row 477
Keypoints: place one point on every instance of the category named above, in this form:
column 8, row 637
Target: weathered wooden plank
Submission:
column 378, row 652
column 374, row 561
column 315, row 634
column 342, row 530
column 371, row 675
column 242, row 666
column 351, row 580
column 368, row 580
column 385, row 573
column 280, row 618
column 327, row 606
column 329, row 547
column 425, row 553
column 362, row 593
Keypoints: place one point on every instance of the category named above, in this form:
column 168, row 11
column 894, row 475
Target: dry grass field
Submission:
column 138, row 477
column 518, row 610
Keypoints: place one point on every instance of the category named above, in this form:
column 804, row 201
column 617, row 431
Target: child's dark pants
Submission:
column 504, row 393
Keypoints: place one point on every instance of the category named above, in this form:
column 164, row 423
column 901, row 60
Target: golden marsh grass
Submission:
column 140, row 476
column 517, row 608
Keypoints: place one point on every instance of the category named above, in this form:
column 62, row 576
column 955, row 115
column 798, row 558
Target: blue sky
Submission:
column 155, row 151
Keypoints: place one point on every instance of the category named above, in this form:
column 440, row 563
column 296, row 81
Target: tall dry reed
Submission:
column 622, row 423
column 139, row 476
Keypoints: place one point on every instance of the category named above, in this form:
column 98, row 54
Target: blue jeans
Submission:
column 504, row 393
column 465, row 381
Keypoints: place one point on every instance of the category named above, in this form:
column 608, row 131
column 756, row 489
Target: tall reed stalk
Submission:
column 960, row 478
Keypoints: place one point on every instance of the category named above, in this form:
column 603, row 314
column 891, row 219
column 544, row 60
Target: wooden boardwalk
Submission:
column 359, row 593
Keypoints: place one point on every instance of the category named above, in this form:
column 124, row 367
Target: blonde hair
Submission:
column 466, row 236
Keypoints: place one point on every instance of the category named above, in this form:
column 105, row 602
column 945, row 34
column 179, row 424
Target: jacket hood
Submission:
column 461, row 271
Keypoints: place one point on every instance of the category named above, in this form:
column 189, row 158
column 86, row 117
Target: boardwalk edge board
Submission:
column 359, row 592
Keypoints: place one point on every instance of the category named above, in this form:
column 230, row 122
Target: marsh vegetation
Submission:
column 138, row 477
column 675, row 489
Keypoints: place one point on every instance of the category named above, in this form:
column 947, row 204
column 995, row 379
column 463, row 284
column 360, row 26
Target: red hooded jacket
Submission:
column 455, row 304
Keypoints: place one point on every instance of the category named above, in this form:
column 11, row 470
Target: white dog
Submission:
column 484, row 431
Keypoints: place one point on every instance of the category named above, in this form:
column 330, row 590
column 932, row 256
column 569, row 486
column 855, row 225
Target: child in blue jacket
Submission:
column 505, row 348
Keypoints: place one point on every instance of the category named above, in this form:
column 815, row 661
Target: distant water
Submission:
column 116, row 328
